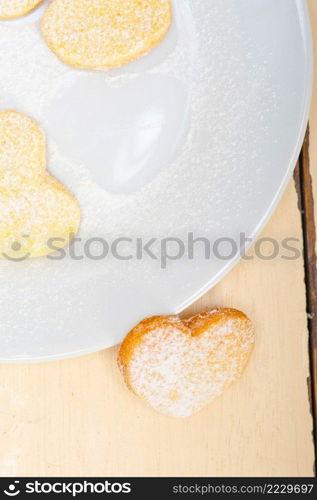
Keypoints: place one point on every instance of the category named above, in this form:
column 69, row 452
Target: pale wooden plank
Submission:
column 76, row 417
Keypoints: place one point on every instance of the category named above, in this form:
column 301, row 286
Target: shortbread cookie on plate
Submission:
column 38, row 214
column 9, row 9
column 104, row 34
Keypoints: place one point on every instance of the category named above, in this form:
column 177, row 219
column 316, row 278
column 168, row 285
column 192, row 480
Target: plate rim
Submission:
column 306, row 31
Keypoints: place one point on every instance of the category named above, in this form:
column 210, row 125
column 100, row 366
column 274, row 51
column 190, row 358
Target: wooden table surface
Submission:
column 76, row 418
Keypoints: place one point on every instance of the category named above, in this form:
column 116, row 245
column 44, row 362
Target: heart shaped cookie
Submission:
column 103, row 34
column 179, row 366
column 37, row 213
column 10, row 9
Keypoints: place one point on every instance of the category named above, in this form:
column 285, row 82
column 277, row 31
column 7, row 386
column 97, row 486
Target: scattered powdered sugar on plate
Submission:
column 208, row 149
column 206, row 104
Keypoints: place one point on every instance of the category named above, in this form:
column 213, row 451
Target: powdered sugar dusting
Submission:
column 178, row 373
column 103, row 34
column 14, row 8
column 213, row 185
column 34, row 207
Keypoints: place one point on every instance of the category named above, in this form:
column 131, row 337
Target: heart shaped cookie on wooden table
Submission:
column 179, row 366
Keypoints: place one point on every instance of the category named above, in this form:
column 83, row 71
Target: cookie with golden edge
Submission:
column 179, row 366
column 9, row 9
column 34, row 206
column 104, row 34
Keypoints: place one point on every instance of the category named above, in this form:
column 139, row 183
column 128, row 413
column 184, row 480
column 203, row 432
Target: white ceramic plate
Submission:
column 200, row 136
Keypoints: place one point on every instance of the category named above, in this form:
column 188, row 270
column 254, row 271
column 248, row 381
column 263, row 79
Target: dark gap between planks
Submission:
column 303, row 182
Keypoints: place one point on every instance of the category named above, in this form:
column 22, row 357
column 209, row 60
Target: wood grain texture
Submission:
column 304, row 187
column 76, row 417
